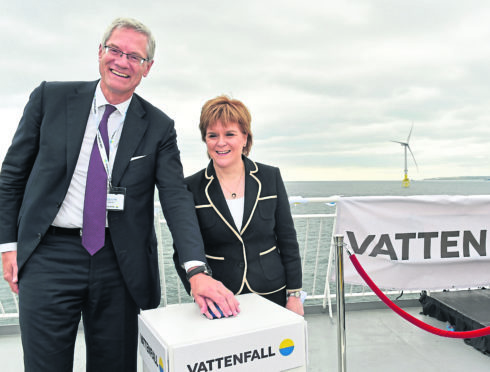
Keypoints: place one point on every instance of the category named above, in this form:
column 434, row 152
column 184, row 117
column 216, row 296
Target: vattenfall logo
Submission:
column 286, row 348
column 152, row 354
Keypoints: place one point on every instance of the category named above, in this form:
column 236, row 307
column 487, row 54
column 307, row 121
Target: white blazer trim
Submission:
column 267, row 251
column 215, row 257
column 204, row 206
column 268, row 197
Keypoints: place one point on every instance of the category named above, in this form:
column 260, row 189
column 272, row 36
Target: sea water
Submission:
column 387, row 188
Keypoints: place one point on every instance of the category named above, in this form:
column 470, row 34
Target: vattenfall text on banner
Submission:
column 417, row 242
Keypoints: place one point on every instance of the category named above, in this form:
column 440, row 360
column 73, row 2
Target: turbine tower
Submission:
column 406, row 145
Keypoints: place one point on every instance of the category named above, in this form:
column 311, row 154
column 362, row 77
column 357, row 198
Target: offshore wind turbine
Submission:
column 406, row 145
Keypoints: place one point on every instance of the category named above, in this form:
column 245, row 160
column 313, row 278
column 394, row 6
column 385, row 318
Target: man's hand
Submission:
column 9, row 263
column 294, row 304
column 208, row 291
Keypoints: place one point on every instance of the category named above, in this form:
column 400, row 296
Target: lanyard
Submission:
column 103, row 152
column 103, row 156
column 101, row 145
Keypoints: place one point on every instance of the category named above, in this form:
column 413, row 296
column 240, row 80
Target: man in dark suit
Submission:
column 65, row 263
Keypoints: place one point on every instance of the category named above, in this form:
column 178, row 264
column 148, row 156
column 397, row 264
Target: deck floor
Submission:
column 377, row 340
column 380, row 340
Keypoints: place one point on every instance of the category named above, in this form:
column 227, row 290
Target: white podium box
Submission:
column 263, row 337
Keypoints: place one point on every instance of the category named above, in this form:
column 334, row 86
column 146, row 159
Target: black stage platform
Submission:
column 465, row 310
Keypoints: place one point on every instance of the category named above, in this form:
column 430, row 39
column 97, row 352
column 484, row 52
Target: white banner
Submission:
column 417, row 242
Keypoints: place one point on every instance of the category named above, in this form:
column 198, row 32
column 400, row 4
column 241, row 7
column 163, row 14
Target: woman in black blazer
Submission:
column 243, row 211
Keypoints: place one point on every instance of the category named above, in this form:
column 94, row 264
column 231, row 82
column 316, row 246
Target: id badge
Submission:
column 115, row 198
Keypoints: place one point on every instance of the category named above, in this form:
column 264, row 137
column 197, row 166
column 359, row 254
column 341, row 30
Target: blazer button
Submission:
column 241, row 265
column 39, row 236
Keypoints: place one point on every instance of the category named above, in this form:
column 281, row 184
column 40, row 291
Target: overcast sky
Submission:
column 329, row 83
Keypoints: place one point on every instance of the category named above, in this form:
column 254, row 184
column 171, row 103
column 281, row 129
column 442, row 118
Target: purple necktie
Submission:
column 94, row 207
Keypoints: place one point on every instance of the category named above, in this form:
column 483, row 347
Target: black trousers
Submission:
column 61, row 283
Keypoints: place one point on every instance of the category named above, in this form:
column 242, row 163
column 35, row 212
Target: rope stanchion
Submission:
column 437, row 331
column 341, row 340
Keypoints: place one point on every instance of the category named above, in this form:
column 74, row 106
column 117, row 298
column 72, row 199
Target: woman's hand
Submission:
column 295, row 305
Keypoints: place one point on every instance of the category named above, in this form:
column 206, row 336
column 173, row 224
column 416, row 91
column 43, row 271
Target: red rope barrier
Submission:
column 437, row 331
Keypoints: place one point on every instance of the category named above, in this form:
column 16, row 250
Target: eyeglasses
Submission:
column 132, row 58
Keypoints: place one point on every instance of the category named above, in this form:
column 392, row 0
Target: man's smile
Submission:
column 120, row 74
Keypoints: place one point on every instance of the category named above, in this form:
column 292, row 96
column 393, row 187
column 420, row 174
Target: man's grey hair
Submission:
column 133, row 24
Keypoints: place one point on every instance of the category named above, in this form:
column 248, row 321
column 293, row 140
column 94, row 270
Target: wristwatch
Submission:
column 294, row 294
column 204, row 269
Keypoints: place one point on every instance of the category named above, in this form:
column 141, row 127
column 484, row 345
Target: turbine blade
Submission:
column 410, row 133
column 401, row 143
column 415, row 161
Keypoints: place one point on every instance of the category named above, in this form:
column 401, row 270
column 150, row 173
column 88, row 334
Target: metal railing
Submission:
column 11, row 308
column 314, row 232
column 315, row 237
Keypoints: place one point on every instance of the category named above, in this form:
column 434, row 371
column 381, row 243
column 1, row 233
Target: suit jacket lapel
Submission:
column 252, row 192
column 216, row 198
column 133, row 130
column 78, row 109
